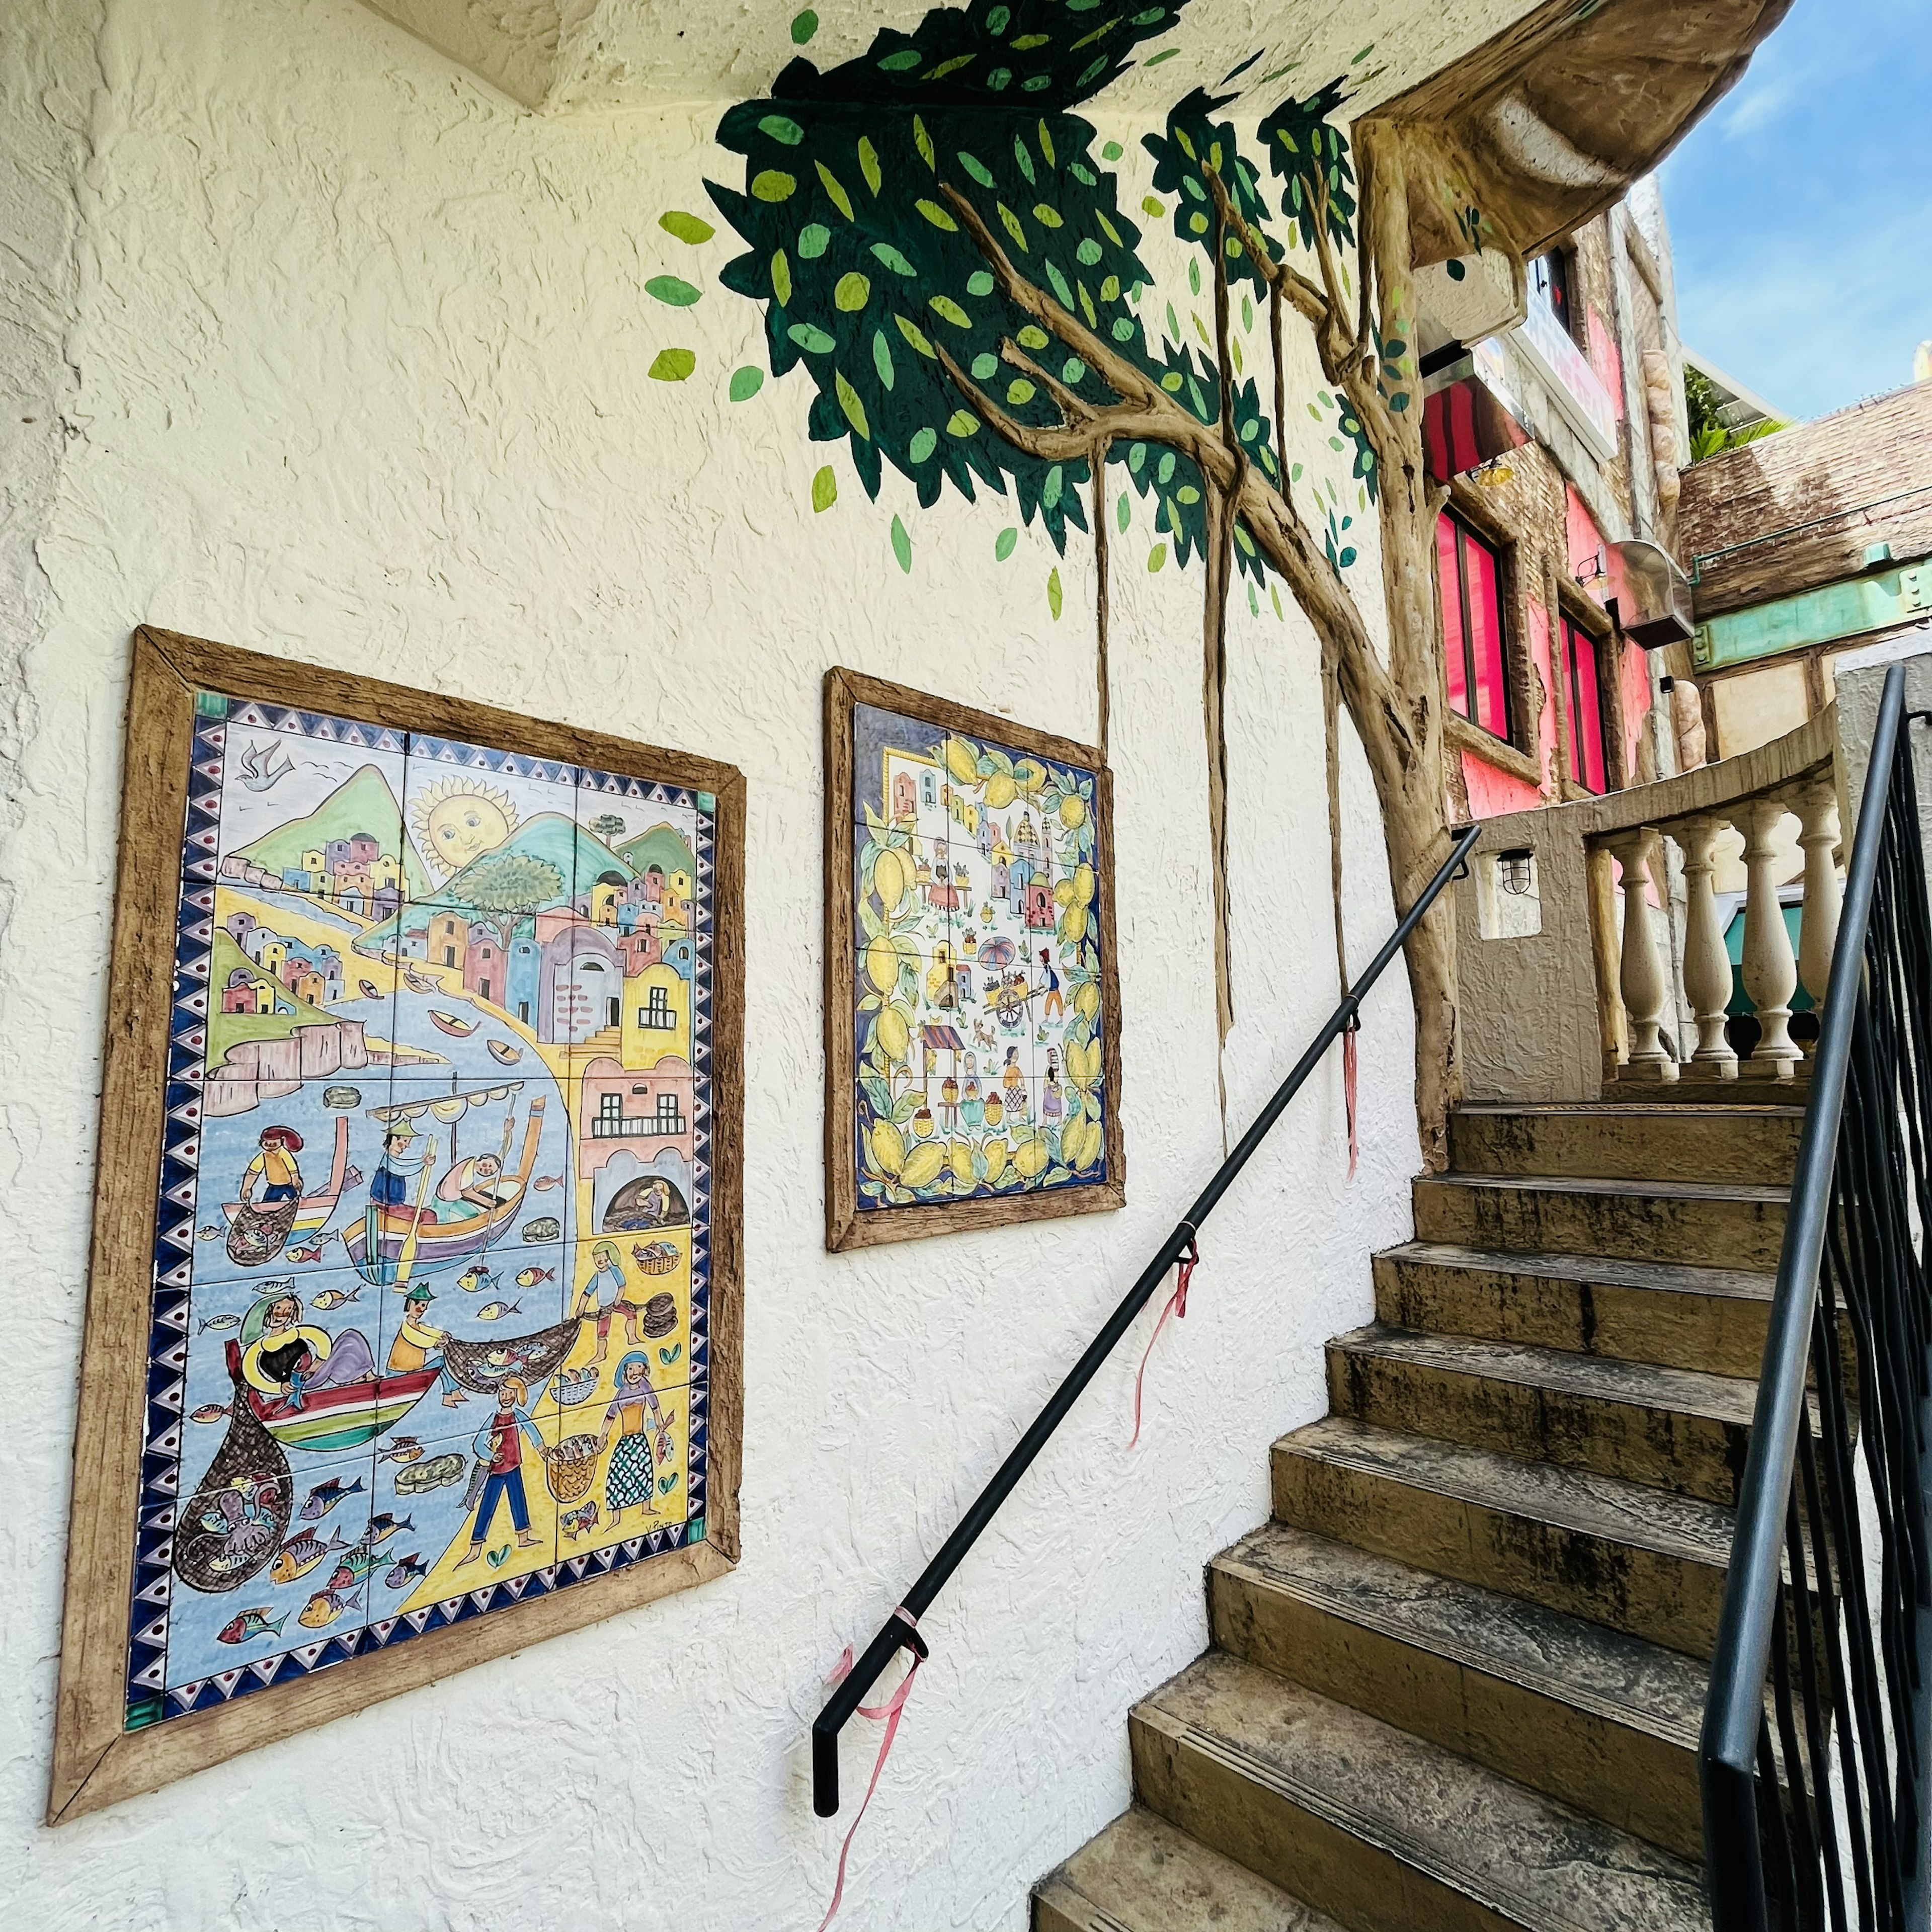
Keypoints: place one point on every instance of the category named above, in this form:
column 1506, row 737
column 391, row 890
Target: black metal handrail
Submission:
column 1813, row 1756
column 898, row 1632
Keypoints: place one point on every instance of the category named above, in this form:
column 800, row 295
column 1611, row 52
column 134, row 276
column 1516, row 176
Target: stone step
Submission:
column 1601, row 1721
column 1142, row 1874
column 1713, row 1318
column 1381, row 1829
column 1671, row 1429
column 1731, row 1224
column 1643, row 1561
column 1627, row 1142
column 1682, row 1093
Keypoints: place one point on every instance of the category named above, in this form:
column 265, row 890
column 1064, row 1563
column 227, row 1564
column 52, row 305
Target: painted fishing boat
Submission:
column 503, row 1053
column 257, row 1230
column 330, row 1420
column 369, row 989
column 450, row 1023
column 390, row 1243
column 420, row 983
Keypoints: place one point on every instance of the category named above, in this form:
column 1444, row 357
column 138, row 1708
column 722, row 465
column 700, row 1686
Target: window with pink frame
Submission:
column 1469, row 579
column 1582, row 687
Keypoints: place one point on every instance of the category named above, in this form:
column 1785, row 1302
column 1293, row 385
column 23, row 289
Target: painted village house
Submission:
column 531, row 384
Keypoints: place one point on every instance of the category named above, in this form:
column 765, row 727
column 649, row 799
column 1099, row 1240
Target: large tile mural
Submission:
column 431, row 1287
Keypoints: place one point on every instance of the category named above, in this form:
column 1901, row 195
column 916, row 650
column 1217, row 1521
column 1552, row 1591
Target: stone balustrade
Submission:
column 1591, row 942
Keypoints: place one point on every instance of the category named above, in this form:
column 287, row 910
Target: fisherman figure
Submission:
column 500, row 1444
column 418, row 1345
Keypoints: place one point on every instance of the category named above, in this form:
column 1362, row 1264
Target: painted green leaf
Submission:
column 1003, row 544
column 902, row 546
column 1156, row 556
column 985, row 366
column 1088, row 253
column 1020, row 391
column 746, row 383
column 922, row 140
column 1073, row 370
column 1194, row 275
column 998, row 20
column 924, row 443
column 976, row 168
column 947, row 309
column 1032, row 337
column 782, row 127
column 1123, row 328
column 772, row 184
column 1011, row 223
column 1276, row 594
column 882, row 357
column 938, row 216
column 1137, row 457
column 1150, row 206
column 1060, row 287
column 840, row 200
column 903, row 61
column 869, row 164
column 1053, row 592
column 849, row 401
column 1046, row 214
column 884, row 252
column 980, row 283
column 670, row 288
column 691, row 228
column 782, row 279
column 962, row 423
column 913, row 336
column 1123, row 512
column 1165, row 54
column 672, row 365
column 813, row 239
column 824, row 489
column 852, row 292
column 946, row 67
column 1110, row 151
column 811, row 338
column 1110, row 289
column 803, row 26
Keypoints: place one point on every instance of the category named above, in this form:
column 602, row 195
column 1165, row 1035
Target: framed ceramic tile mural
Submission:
column 412, row 1334
column 972, row 1012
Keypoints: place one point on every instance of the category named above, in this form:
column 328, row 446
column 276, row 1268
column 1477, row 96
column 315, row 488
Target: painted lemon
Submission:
column 1072, row 812
column 1029, row 774
column 888, row 1151
column 1083, row 1059
column 1081, row 1144
column 996, row 1161
column 1073, row 925
column 922, row 1165
column 959, row 1158
column 1030, row 1159
column 1083, row 884
column 891, row 879
column 1063, row 893
column 962, row 761
column 882, row 964
column 1087, row 1000
column 1000, row 792
column 891, row 1032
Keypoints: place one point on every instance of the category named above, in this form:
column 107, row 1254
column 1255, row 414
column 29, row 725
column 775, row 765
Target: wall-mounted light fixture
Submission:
column 1514, row 872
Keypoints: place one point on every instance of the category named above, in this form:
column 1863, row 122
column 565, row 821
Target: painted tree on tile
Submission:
column 937, row 239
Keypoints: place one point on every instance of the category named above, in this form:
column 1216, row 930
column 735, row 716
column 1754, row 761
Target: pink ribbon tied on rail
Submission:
column 891, row 1710
column 1349, row 1033
column 1177, row 1307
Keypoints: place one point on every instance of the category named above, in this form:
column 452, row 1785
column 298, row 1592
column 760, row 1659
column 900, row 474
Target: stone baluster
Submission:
column 1770, row 970
column 1642, row 982
column 1817, row 808
column 1707, row 966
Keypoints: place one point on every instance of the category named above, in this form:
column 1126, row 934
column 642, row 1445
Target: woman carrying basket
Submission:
column 631, row 1478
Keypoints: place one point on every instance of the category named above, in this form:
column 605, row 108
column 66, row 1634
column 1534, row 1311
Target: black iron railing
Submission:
column 898, row 1632
column 1813, row 1760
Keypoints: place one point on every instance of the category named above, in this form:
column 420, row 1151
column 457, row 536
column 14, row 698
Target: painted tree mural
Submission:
column 936, row 237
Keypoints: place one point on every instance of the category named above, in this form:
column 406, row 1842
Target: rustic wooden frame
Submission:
column 845, row 1226
column 96, row 1761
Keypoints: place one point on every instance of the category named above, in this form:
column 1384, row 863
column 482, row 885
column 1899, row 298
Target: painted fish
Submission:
column 495, row 1311
column 323, row 1609
column 311, row 1251
column 544, row 1183
column 578, row 1522
column 406, row 1572
column 476, row 1277
column 210, row 1233
column 219, row 1321
column 529, row 1277
column 356, row 1564
column 300, row 1554
column 251, row 1623
column 336, row 1297
column 382, row 1528
column 430, row 1474
column 324, row 1496
column 401, row 1449
column 547, row 1227
column 209, row 1411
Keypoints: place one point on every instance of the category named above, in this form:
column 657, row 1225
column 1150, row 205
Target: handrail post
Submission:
column 895, row 1632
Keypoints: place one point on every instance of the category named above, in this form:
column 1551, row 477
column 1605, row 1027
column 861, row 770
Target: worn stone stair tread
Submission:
column 1690, row 1391
column 1603, row 1270
column 1623, row 1108
column 1525, row 1858
column 1580, row 1500
column 1142, row 1874
column 1638, row 1190
column 1621, row 1678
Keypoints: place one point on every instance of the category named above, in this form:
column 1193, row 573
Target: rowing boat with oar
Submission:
column 451, row 1023
column 258, row 1231
column 328, row 1420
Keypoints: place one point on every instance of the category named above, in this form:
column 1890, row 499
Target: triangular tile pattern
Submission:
column 147, row 1697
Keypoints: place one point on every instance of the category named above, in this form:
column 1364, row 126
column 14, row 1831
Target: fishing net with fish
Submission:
column 481, row 1366
column 257, row 1235
column 235, row 1520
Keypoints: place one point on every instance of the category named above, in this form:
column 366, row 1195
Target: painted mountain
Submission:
column 663, row 846
column 362, row 803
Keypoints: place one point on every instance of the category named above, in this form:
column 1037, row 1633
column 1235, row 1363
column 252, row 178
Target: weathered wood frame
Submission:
column 96, row 1761
column 845, row 1226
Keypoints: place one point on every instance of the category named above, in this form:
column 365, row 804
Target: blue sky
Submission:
column 1801, row 208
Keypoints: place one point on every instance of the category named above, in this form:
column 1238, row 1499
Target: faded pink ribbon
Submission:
column 891, row 1710
column 1349, row 1033
column 1177, row 1307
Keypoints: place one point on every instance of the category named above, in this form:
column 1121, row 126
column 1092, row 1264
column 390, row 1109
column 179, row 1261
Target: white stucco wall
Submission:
column 333, row 353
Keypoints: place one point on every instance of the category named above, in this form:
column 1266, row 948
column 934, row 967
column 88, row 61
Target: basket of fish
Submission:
column 654, row 1257
column 570, row 1468
column 574, row 1385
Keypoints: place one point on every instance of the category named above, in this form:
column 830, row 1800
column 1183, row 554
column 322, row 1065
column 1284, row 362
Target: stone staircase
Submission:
column 1456, row 1681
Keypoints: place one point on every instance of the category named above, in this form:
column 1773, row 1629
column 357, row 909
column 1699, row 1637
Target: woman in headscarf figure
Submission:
column 630, row 1480
column 282, row 1355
